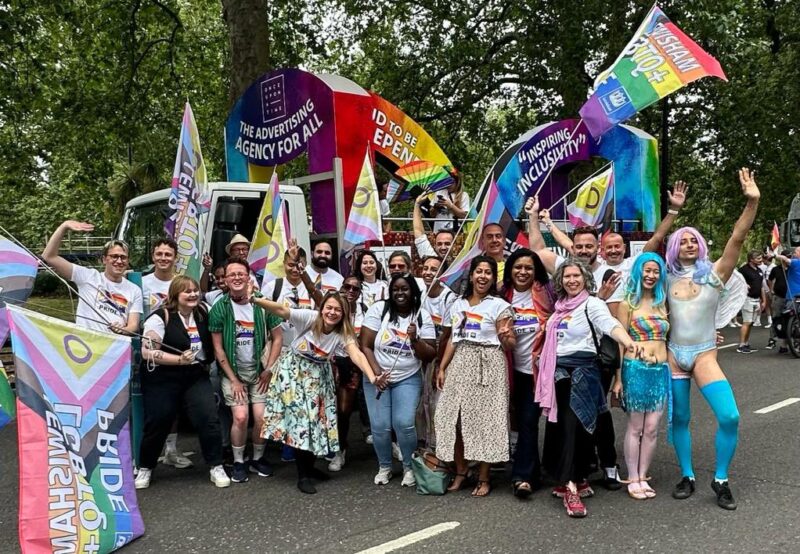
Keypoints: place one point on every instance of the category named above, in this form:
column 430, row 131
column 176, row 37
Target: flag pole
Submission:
column 573, row 189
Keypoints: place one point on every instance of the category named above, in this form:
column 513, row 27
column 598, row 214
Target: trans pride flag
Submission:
column 76, row 474
column 657, row 61
column 364, row 222
column 189, row 198
column 271, row 236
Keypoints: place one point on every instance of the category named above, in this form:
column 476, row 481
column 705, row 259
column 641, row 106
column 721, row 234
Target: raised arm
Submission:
column 676, row 200
column 561, row 238
column 535, row 237
column 725, row 265
column 50, row 255
column 416, row 219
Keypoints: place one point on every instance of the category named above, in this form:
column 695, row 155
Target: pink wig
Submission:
column 674, row 247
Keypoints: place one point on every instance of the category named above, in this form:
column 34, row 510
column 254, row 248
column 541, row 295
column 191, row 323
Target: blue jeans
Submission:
column 396, row 409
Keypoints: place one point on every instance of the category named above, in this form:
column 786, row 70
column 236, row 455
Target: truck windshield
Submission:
column 143, row 226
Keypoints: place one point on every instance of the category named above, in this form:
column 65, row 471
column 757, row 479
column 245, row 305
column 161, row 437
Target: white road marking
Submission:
column 778, row 406
column 728, row 346
column 406, row 540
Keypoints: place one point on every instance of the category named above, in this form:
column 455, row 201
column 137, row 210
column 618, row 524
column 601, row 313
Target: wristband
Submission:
column 672, row 212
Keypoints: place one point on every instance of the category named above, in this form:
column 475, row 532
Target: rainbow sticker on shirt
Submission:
column 473, row 322
column 526, row 320
column 194, row 338
column 245, row 329
column 437, row 320
column 564, row 324
column 394, row 341
column 112, row 303
column 305, row 304
column 311, row 351
column 156, row 300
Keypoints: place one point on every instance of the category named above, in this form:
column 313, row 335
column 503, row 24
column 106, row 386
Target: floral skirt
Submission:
column 475, row 396
column 300, row 410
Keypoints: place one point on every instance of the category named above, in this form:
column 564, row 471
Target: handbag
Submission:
column 607, row 348
column 431, row 474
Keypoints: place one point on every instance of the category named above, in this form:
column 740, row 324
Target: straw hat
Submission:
column 237, row 239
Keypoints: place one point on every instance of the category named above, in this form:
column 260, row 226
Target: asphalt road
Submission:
column 183, row 512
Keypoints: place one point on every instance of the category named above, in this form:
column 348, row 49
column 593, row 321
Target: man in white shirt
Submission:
column 442, row 240
column 107, row 301
column 325, row 278
column 155, row 286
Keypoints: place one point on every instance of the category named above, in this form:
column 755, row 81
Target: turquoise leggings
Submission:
column 719, row 396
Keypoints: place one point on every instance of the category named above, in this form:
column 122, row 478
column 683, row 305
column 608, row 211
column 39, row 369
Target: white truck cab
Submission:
column 234, row 209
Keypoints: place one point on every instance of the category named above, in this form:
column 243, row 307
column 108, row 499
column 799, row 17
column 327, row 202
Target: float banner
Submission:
column 364, row 223
column 594, row 204
column 657, row 61
column 188, row 199
column 76, row 475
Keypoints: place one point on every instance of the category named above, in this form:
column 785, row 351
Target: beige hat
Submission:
column 237, row 239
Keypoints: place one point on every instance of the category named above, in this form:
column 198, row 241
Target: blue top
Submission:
column 793, row 278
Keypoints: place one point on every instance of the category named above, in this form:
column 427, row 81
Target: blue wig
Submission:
column 633, row 289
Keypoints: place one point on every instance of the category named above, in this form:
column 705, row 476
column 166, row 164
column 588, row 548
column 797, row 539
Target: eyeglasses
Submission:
column 353, row 288
column 236, row 275
column 118, row 257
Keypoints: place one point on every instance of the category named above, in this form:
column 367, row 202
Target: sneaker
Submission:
column 219, row 477
column 261, row 466
column 143, row 478
column 408, row 479
column 611, row 479
column 172, row 458
column 397, row 454
column 239, row 473
column 768, row 325
column 573, row 504
column 783, row 350
column 338, row 461
column 383, row 476
column 584, row 490
column 743, row 349
column 684, row 489
column 757, row 324
column 287, row 454
column 724, row 497
column 771, row 344
column 306, row 485
column 368, row 440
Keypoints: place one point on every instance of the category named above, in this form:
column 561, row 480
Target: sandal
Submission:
column 460, row 484
column 635, row 491
column 522, row 489
column 647, row 489
column 476, row 492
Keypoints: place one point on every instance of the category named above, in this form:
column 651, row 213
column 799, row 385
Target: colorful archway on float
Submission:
column 524, row 165
column 289, row 112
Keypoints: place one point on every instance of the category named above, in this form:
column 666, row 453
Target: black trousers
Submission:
column 526, row 456
column 604, row 437
column 164, row 390
column 575, row 446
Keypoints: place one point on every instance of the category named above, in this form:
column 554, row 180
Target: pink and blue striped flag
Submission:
column 491, row 212
column 364, row 223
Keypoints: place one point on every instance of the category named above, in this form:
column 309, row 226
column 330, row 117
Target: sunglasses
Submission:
column 353, row 288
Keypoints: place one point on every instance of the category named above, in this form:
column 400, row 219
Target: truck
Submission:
column 234, row 209
column 790, row 229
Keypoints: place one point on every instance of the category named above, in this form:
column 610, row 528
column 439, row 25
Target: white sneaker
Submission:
column 396, row 452
column 757, row 324
column 219, row 477
column 408, row 479
column 338, row 461
column 143, row 478
column 172, row 458
column 383, row 476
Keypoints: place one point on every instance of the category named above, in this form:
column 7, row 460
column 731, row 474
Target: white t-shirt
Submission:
column 573, row 332
column 245, row 335
column 526, row 324
column 156, row 325
column 444, row 218
column 439, row 307
column 424, row 247
column 477, row 323
column 292, row 297
column 624, row 268
column 317, row 349
column 154, row 293
column 372, row 292
column 330, row 280
column 390, row 341
column 213, row 296
column 112, row 302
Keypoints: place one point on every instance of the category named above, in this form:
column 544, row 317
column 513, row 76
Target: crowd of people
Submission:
column 457, row 371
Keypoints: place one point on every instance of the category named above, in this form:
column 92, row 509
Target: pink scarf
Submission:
column 546, row 384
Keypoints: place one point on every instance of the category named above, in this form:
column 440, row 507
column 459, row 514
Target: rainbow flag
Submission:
column 491, row 212
column 775, row 238
column 593, row 206
column 657, row 61
column 189, row 198
column 364, row 222
column 76, row 473
column 264, row 249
